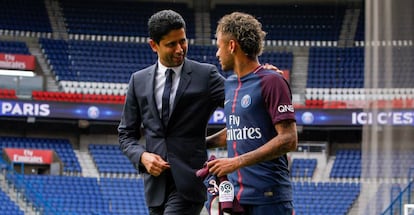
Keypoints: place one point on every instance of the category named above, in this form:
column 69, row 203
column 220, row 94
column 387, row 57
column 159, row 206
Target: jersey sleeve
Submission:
column 277, row 97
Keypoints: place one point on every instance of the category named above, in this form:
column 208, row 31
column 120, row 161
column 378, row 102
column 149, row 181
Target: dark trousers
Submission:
column 283, row 208
column 174, row 204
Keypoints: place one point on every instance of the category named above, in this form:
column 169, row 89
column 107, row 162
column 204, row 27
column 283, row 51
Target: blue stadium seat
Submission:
column 290, row 22
column 109, row 160
column 303, row 168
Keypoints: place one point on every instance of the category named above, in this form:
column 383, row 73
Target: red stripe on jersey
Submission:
column 236, row 93
column 233, row 107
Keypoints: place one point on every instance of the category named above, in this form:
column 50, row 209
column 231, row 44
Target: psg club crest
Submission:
column 307, row 118
column 93, row 112
column 246, row 101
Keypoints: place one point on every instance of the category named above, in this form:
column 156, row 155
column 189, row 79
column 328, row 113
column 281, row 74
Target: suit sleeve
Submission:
column 129, row 129
column 217, row 87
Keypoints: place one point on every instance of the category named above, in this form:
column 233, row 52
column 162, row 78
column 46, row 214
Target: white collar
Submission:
column 162, row 68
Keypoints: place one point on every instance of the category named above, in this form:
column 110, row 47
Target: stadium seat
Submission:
column 8, row 94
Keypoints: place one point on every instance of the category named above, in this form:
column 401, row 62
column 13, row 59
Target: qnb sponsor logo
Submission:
column 383, row 118
column 285, row 108
column 24, row 109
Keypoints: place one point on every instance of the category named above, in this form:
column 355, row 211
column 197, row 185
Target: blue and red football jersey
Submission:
column 253, row 105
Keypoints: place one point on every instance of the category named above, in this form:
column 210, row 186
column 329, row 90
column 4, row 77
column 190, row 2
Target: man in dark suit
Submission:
column 174, row 123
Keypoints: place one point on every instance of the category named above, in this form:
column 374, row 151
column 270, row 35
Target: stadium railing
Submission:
column 404, row 197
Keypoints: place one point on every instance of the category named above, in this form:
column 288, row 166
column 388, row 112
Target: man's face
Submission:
column 172, row 48
column 223, row 53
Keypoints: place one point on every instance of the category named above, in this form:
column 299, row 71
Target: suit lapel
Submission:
column 184, row 81
column 150, row 88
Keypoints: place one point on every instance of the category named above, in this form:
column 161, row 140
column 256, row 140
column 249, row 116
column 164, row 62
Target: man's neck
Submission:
column 245, row 67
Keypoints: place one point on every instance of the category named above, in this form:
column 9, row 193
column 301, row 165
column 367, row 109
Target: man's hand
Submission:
column 153, row 163
column 223, row 166
column 272, row 67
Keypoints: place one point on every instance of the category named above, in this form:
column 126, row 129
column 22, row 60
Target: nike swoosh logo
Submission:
column 227, row 101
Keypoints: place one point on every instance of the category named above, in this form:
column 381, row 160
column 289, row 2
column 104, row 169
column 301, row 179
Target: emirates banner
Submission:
column 17, row 61
column 33, row 156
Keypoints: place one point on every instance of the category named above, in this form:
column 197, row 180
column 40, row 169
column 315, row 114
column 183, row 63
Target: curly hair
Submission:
column 246, row 30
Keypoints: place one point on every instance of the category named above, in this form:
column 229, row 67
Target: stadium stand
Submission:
column 360, row 31
column 93, row 97
column 107, row 19
column 303, row 168
column 347, row 164
column 8, row 206
column 93, row 61
column 124, row 195
column 62, row 194
column 292, row 22
column 335, row 68
column 109, row 160
column 8, row 94
column 14, row 47
column 24, row 18
column 310, row 195
column 63, row 148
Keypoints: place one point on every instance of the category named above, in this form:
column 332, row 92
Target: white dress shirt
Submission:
column 160, row 82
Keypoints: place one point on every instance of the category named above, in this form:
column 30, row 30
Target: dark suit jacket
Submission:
column 182, row 142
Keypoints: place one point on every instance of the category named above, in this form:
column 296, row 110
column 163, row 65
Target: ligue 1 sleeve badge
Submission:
column 219, row 198
column 226, row 192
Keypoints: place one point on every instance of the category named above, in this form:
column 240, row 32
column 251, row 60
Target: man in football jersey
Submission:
column 260, row 121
